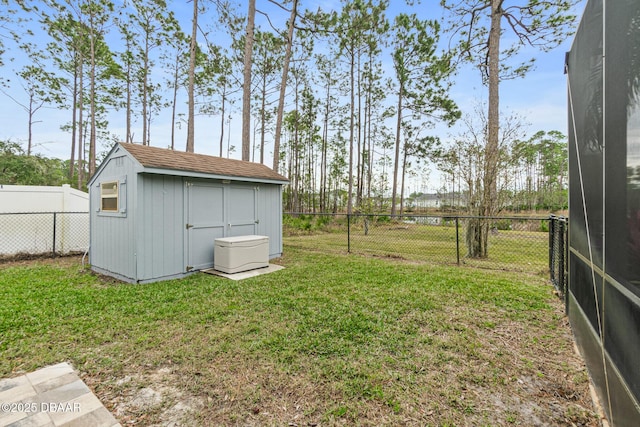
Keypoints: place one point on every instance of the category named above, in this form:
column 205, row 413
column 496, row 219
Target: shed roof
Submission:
column 161, row 158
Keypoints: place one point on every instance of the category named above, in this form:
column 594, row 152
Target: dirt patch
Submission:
column 26, row 260
column 148, row 398
column 543, row 381
column 70, row 261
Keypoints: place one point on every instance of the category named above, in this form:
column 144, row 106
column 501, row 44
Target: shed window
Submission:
column 109, row 196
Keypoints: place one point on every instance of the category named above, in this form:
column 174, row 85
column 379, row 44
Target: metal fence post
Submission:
column 552, row 232
column 457, row 242
column 563, row 262
column 348, row 233
column 54, row 235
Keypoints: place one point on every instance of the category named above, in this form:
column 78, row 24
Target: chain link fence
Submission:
column 558, row 253
column 534, row 245
column 29, row 234
column 513, row 243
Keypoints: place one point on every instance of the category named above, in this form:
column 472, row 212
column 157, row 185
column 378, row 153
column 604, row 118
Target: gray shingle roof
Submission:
column 161, row 158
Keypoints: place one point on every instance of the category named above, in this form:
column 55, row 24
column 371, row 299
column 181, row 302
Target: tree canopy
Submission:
column 353, row 103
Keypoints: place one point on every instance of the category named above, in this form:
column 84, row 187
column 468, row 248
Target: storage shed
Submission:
column 155, row 213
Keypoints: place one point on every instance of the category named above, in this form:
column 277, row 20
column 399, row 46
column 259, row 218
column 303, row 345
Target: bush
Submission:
column 544, row 225
column 383, row 219
column 502, row 224
column 306, row 223
column 323, row 220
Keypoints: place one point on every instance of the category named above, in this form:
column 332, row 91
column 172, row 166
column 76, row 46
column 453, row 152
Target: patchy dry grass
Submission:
column 512, row 250
column 330, row 340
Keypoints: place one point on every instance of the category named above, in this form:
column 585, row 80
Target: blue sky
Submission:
column 540, row 98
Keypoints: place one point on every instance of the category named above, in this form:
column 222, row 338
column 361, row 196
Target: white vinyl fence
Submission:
column 43, row 220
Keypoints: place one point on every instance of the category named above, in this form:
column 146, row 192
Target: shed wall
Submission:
column 270, row 216
column 113, row 236
column 160, row 235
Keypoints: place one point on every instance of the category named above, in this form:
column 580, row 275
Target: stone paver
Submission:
column 53, row 396
column 245, row 274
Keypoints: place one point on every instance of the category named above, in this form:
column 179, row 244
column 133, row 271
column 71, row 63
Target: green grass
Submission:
column 525, row 251
column 331, row 339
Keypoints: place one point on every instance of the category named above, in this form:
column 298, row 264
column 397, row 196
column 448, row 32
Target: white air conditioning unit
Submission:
column 241, row 253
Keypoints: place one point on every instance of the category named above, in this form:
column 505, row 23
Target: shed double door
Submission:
column 214, row 211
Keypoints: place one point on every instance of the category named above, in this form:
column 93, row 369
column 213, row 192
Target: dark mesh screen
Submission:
column 585, row 132
column 604, row 159
column 622, row 115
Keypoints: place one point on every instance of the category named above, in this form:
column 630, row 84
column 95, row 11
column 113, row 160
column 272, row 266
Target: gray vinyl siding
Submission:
column 270, row 216
column 161, row 226
column 112, row 246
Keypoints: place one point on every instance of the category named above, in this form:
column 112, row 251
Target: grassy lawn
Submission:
column 329, row 340
column 513, row 250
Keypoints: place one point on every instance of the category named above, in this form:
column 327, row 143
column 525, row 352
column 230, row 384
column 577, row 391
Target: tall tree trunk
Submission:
column 149, row 129
column 359, row 159
column 478, row 229
column 30, row 127
column 296, row 154
column 371, row 155
column 351, row 130
column 383, row 176
column 222, row 111
column 404, row 171
column 129, row 137
column 369, row 136
column 335, row 196
column 73, row 121
column 174, row 102
column 397, row 152
column 81, row 124
column 246, row 87
column 263, row 118
column 325, row 143
column 283, row 86
column 291, row 176
column 252, row 151
column 192, row 80
column 145, row 92
column 92, row 105
column 493, row 116
column 310, row 173
column 311, row 161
